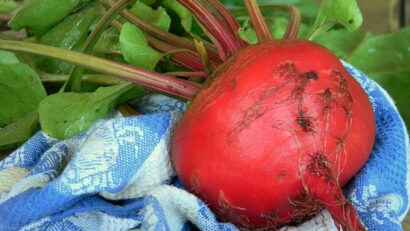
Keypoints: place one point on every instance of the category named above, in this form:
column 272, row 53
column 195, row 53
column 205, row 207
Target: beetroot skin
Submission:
column 273, row 135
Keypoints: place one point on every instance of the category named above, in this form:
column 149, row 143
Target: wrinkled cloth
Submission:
column 118, row 176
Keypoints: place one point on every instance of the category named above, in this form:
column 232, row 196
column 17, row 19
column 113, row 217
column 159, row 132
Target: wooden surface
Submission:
column 406, row 223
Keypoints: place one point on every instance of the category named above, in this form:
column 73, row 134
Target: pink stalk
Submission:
column 199, row 74
column 294, row 22
column 217, row 32
column 152, row 80
column 161, row 34
column 223, row 53
column 188, row 59
column 258, row 22
column 228, row 20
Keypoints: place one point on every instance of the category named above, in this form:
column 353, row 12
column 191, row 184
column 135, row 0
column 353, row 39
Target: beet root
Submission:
column 272, row 137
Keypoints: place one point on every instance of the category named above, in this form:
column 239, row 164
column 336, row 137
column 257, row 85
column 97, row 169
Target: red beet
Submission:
column 273, row 135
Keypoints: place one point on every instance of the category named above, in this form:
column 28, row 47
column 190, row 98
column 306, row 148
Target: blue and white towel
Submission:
column 118, row 176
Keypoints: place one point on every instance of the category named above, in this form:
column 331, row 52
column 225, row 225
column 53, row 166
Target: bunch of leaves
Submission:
column 21, row 92
column 33, row 91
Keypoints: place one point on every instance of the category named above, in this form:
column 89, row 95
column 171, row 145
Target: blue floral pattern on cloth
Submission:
column 118, row 176
column 380, row 192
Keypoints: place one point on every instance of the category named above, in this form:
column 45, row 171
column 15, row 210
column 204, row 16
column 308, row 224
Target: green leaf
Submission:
column 7, row 6
column 108, row 47
column 38, row 16
column 184, row 15
column 247, row 33
column 342, row 42
column 109, row 42
column 19, row 131
column 66, row 114
column 8, row 58
column 344, row 12
column 135, row 48
column 158, row 17
column 277, row 26
column 20, row 87
column 70, row 34
column 386, row 59
column 308, row 8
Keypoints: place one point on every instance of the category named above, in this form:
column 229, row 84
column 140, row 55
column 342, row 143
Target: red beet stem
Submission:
column 322, row 185
column 258, row 22
column 214, row 28
column 188, row 59
column 161, row 34
column 153, row 80
column 198, row 74
column 228, row 20
column 294, row 22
